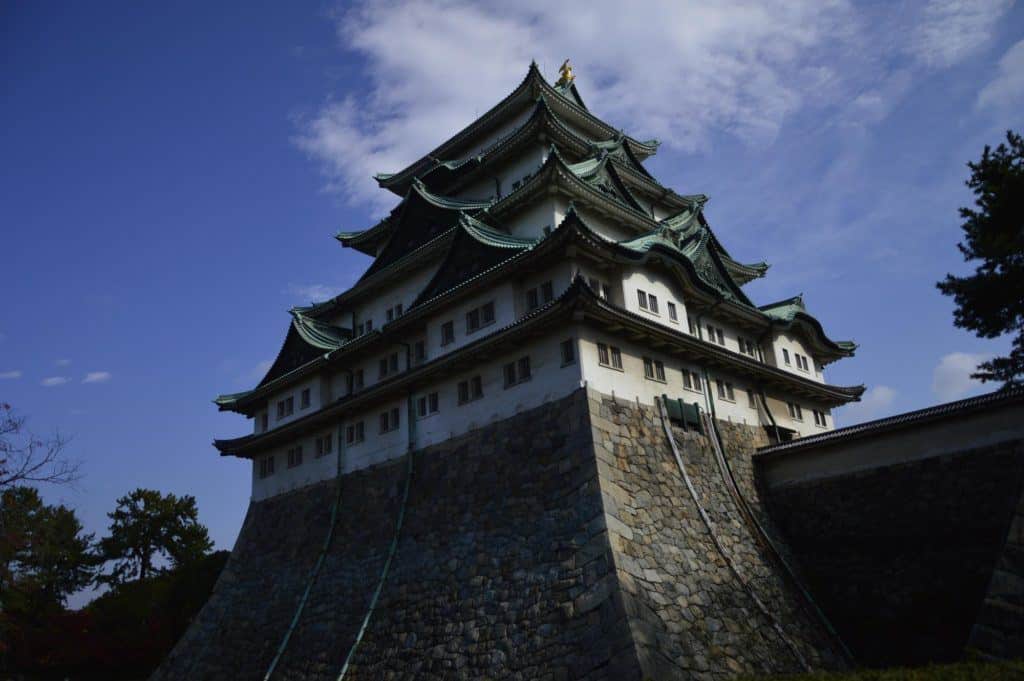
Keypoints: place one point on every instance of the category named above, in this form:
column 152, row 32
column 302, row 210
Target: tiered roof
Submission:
column 599, row 169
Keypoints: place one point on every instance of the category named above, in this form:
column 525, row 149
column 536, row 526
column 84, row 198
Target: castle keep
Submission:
column 521, row 445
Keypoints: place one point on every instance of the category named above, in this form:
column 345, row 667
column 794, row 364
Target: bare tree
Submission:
column 26, row 459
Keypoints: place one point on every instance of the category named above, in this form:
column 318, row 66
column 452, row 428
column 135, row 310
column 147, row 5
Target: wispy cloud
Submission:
column 53, row 381
column 63, row 362
column 1005, row 92
column 310, row 293
column 751, row 66
column 951, row 378
column 876, row 402
column 10, row 374
column 97, row 377
column 949, row 31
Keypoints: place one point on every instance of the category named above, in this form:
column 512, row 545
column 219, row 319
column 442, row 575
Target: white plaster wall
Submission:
column 530, row 222
column 794, row 344
column 549, row 381
column 317, row 399
column 606, row 227
column 502, row 131
column 511, row 171
column 503, row 297
column 666, row 290
column 284, row 479
column 404, row 292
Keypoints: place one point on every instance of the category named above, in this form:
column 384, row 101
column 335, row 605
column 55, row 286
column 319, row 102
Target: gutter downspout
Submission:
column 393, row 549
column 315, row 572
column 709, row 400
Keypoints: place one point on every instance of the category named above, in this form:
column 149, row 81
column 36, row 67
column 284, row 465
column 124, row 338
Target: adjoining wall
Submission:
column 560, row 543
column 900, row 556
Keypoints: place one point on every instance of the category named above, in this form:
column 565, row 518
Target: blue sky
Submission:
column 172, row 176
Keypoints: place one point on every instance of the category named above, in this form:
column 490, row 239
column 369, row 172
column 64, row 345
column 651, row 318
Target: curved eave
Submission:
column 532, row 86
column 366, row 241
column 745, row 273
column 556, row 174
column 502, row 340
column 790, row 313
column 317, row 333
column 578, row 303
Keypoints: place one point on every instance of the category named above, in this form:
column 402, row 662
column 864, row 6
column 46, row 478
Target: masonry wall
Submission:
column 901, row 556
column 559, row 543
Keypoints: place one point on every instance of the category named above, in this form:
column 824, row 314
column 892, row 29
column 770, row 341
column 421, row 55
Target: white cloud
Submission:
column 10, row 374
column 738, row 68
column 949, row 31
column 951, row 379
column 63, row 362
column 1005, row 92
column 309, row 293
column 97, row 377
column 875, row 403
column 51, row 381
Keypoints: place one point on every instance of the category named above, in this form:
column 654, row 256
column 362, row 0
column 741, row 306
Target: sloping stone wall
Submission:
column 900, row 556
column 998, row 631
column 689, row 614
column 558, row 544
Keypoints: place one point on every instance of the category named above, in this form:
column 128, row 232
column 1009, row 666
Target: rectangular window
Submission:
column 751, row 399
column 369, row 325
column 654, row 369
column 721, row 336
column 289, row 406
column 472, row 320
column 383, row 418
column 509, row 370
column 389, row 314
column 547, row 292
column 616, row 357
column 358, row 379
column 355, row 433
column 568, row 350
column 517, row 372
column 673, row 315
column 266, row 466
column 532, row 302
column 602, row 354
column 819, row 419
column 264, row 422
column 487, row 313
column 447, row 333
column 395, row 420
column 725, row 390
column 795, row 412
column 280, row 410
column 393, row 363
column 420, row 351
column 324, row 444
column 606, row 291
column 304, row 399
column 691, row 380
column 652, row 302
column 383, row 368
column 641, row 299
column 785, row 355
column 398, row 310
column 432, row 403
column 692, row 325
column 294, row 457
column 427, row 405
column 472, row 389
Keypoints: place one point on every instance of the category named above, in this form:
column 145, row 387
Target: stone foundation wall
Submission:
column 560, row 543
column 690, row 616
column 901, row 556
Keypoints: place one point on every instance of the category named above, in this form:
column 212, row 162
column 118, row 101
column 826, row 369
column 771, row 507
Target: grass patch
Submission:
column 961, row 671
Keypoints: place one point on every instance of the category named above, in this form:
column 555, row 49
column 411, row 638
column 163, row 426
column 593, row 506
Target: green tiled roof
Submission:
column 317, row 333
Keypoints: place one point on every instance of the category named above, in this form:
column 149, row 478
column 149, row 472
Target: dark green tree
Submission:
column 990, row 302
column 44, row 555
column 148, row 526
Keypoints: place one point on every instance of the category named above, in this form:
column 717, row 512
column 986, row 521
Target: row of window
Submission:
column 802, row 362
column 286, row 408
column 540, row 295
column 649, row 302
column 293, row 456
column 797, row 414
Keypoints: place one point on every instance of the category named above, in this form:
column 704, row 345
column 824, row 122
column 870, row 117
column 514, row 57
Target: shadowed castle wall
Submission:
column 901, row 556
column 560, row 543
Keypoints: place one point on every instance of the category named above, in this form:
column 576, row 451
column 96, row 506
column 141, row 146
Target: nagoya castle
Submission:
column 520, row 446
